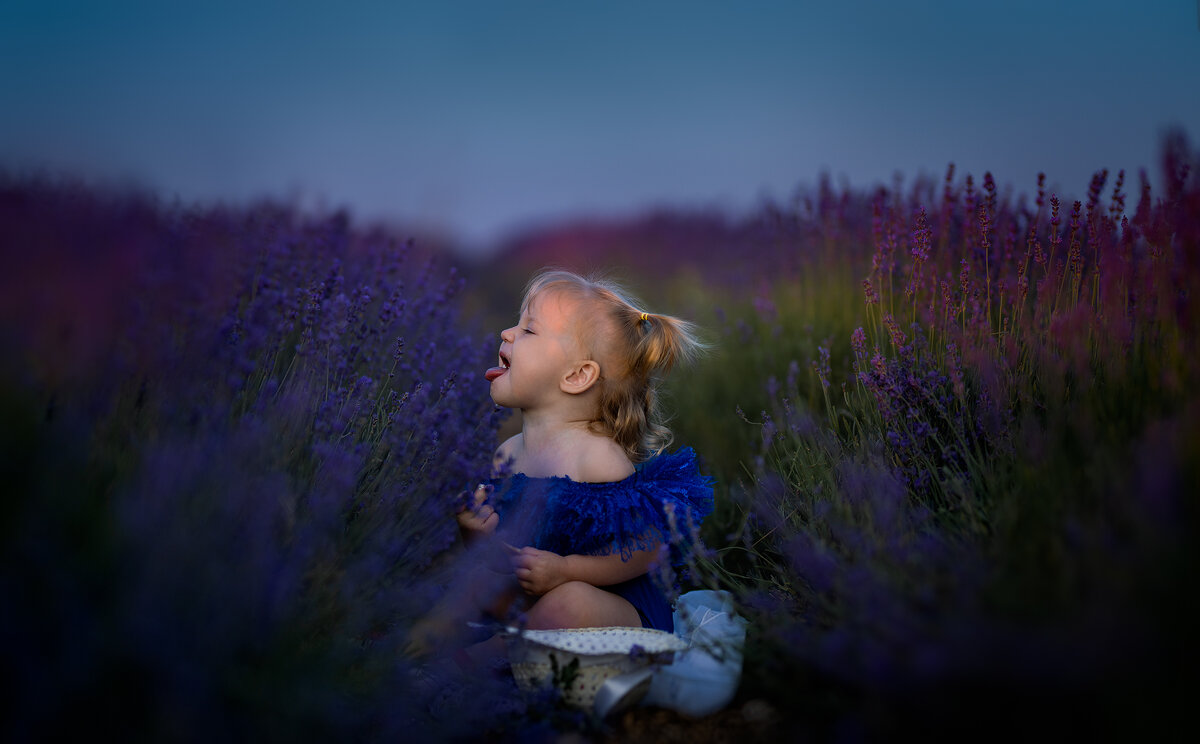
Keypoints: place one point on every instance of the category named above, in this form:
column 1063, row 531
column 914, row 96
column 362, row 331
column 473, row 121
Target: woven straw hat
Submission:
column 580, row 660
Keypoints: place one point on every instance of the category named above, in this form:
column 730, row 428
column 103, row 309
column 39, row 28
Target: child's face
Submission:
column 537, row 352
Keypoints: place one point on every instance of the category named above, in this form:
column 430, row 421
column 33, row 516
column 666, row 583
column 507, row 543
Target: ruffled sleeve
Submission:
column 661, row 503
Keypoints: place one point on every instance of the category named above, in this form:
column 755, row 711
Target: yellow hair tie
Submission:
column 645, row 316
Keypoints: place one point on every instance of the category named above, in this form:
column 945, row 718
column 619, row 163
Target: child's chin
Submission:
column 499, row 399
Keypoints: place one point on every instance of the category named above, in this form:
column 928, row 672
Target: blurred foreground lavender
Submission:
column 230, row 437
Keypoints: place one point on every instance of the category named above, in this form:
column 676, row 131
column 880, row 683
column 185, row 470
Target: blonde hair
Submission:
column 636, row 349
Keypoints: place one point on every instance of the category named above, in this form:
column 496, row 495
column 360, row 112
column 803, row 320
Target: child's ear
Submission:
column 580, row 378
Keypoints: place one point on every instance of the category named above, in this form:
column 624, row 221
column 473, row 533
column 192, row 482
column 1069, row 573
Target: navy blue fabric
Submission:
column 569, row 517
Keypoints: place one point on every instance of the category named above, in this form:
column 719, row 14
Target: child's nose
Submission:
column 508, row 334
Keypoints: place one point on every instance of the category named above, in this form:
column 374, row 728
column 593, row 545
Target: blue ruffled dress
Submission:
column 569, row 517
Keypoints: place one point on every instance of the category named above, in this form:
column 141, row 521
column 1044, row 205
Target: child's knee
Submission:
column 566, row 605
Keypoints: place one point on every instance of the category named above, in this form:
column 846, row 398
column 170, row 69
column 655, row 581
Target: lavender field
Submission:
column 954, row 428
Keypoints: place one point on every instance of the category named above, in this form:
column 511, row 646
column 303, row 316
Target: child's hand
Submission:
column 476, row 516
column 538, row 571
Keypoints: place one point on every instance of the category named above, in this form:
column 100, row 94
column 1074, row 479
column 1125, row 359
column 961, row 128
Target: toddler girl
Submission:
column 582, row 513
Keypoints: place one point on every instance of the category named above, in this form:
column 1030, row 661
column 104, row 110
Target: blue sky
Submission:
column 483, row 117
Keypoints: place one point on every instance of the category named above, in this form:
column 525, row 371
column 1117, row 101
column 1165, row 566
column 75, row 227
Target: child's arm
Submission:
column 539, row 571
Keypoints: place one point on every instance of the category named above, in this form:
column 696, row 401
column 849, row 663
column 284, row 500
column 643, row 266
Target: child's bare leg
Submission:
column 577, row 604
column 503, row 601
column 574, row 604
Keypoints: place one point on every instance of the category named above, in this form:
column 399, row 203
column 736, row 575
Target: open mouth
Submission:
column 498, row 370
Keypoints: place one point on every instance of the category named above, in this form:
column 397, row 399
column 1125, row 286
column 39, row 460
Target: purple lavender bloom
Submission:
column 258, row 515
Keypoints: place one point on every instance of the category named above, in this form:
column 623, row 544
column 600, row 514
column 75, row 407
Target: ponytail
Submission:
column 664, row 342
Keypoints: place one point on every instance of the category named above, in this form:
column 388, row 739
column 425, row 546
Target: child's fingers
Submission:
column 525, row 557
column 524, row 577
column 481, row 495
column 473, row 499
column 461, row 501
column 485, row 519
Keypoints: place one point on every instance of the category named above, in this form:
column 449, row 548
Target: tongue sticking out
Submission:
column 494, row 372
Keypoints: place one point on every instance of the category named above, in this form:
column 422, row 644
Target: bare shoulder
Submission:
column 604, row 464
column 506, row 454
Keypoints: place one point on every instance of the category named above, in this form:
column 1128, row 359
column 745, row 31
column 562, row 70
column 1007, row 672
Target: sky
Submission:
column 481, row 118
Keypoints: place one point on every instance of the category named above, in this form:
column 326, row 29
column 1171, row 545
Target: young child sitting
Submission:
column 580, row 503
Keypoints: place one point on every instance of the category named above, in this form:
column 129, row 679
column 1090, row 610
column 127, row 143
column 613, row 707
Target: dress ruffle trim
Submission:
column 624, row 516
